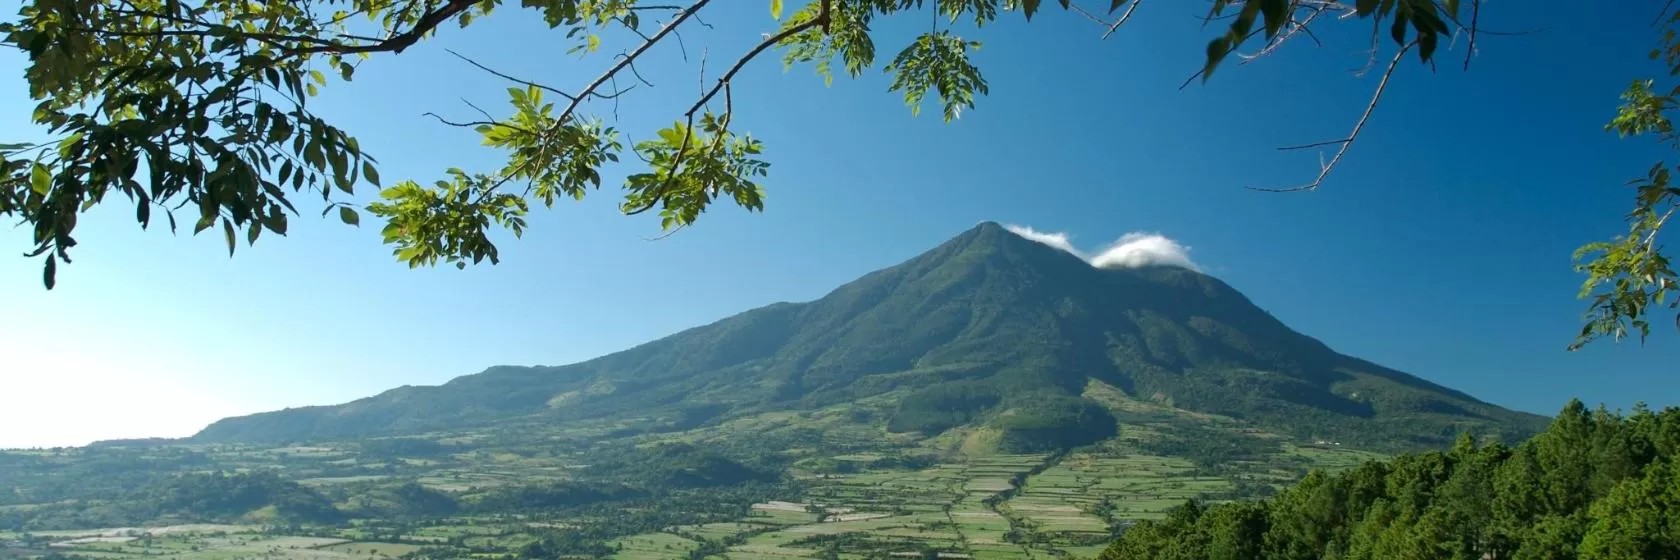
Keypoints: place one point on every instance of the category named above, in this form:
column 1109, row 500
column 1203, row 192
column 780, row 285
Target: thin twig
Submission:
column 1475, row 17
column 480, row 110
column 507, row 77
column 1123, row 17
column 681, row 46
column 721, row 84
column 1312, row 145
column 1295, row 28
column 629, row 58
column 632, row 29
column 636, row 72
column 663, row 236
column 1203, row 69
column 1088, row 15
column 1376, row 96
column 1376, row 46
column 615, row 99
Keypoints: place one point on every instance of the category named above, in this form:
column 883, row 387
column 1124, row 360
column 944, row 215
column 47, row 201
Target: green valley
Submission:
column 992, row 398
column 779, row 485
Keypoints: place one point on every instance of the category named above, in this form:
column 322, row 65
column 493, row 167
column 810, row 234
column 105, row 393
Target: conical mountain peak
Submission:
column 990, row 318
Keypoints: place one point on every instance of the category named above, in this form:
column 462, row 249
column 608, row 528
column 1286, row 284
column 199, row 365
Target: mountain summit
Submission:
column 986, row 327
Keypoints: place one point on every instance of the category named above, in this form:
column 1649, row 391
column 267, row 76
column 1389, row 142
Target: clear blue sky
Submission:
column 1441, row 246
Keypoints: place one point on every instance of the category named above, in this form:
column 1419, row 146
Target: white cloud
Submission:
column 1057, row 240
column 1133, row 250
column 1139, row 249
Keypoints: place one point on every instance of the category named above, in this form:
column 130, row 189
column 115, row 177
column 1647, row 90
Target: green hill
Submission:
column 988, row 329
column 1594, row 486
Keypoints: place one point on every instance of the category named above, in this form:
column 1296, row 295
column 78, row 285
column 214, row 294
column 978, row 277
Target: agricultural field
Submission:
column 778, row 485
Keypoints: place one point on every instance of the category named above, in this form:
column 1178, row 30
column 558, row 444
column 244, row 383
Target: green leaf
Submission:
column 49, row 276
column 371, row 173
column 40, row 179
column 349, row 216
column 776, row 9
column 276, row 222
column 1028, row 7
column 227, row 228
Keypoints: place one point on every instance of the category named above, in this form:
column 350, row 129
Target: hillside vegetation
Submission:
column 982, row 325
column 993, row 398
column 1594, row 486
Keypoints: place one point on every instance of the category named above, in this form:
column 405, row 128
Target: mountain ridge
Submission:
column 1011, row 316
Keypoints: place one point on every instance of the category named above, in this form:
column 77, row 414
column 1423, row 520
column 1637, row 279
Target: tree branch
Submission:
column 630, row 58
column 723, row 84
column 1295, row 28
column 1088, row 15
column 1475, row 17
column 401, row 41
column 507, row 77
column 1123, row 17
column 636, row 73
column 1345, row 143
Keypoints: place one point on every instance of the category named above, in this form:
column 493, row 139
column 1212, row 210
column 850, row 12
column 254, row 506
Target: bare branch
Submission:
column 1475, row 17
column 468, row 124
column 1123, row 17
column 681, row 46
column 630, row 58
column 1313, row 145
column 663, row 236
column 615, row 99
column 1345, row 143
column 507, row 77
column 1088, row 15
column 616, row 92
column 1376, row 46
column 480, row 110
column 634, row 71
column 1295, row 28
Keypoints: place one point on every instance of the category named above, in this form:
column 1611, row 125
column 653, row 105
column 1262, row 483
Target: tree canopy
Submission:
column 201, row 109
column 1595, row 486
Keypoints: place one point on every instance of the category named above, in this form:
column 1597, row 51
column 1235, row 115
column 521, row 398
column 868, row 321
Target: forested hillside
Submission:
column 1594, row 486
column 988, row 328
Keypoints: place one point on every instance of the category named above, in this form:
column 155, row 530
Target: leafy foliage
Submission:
column 1594, row 486
column 205, row 103
column 940, row 407
column 220, row 496
column 1630, row 275
column 1037, row 423
column 408, row 500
